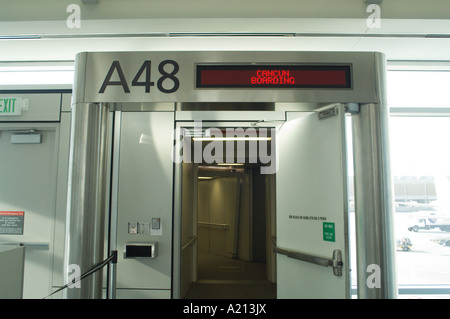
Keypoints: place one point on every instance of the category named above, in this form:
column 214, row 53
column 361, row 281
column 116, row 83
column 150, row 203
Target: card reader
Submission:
column 141, row 250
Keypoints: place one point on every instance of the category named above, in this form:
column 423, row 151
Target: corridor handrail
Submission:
column 189, row 243
column 225, row 226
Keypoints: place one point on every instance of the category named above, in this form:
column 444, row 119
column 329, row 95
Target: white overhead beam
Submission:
column 101, row 28
column 66, row 49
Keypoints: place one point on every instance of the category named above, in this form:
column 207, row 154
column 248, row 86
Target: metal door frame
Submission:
column 177, row 249
column 373, row 182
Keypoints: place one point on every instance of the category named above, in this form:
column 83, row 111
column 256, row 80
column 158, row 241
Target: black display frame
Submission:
column 254, row 67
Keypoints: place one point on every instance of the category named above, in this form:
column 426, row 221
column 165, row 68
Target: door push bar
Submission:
column 335, row 261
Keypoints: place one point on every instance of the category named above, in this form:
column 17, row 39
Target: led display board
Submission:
column 273, row 76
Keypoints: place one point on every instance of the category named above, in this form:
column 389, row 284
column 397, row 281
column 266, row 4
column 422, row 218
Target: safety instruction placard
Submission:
column 11, row 223
column 329, row 233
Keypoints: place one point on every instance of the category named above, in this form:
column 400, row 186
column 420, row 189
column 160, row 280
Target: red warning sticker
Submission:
column 11, row 222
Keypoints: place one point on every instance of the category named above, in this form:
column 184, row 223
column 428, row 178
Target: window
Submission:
column 420, row 163
column 427, row 89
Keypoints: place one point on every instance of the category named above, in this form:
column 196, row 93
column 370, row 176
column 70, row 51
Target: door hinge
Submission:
column 352, row 108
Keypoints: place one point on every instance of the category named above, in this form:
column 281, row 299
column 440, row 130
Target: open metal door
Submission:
column 311, row 181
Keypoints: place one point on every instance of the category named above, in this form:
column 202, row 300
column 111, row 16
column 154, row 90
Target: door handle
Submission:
column 335, row 261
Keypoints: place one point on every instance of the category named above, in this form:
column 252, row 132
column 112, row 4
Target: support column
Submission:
column 374, row 204
column 86, row 196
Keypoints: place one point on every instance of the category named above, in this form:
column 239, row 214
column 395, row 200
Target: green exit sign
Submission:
column 329, row 232
column 11, row 106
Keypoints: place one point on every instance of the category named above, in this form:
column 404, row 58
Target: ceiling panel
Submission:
column 47, row 10
column 410, row 29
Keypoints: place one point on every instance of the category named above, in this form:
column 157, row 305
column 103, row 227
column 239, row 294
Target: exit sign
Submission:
column 12, row 106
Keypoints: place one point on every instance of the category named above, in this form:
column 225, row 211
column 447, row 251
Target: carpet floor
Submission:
column 225, row 278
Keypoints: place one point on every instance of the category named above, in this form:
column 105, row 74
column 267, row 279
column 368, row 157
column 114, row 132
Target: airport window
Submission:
column 418, row 89
column 420, row 163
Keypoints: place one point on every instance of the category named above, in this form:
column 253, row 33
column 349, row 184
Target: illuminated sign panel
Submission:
column 11, row 106
column 273, row 76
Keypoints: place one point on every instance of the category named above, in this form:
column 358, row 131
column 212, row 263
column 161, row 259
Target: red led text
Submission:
column 272, row 77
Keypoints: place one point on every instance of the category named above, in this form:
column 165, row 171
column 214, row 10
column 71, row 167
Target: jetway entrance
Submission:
column 306, row 192
column 147, row 125
column 234, row 251
column 228, row 211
